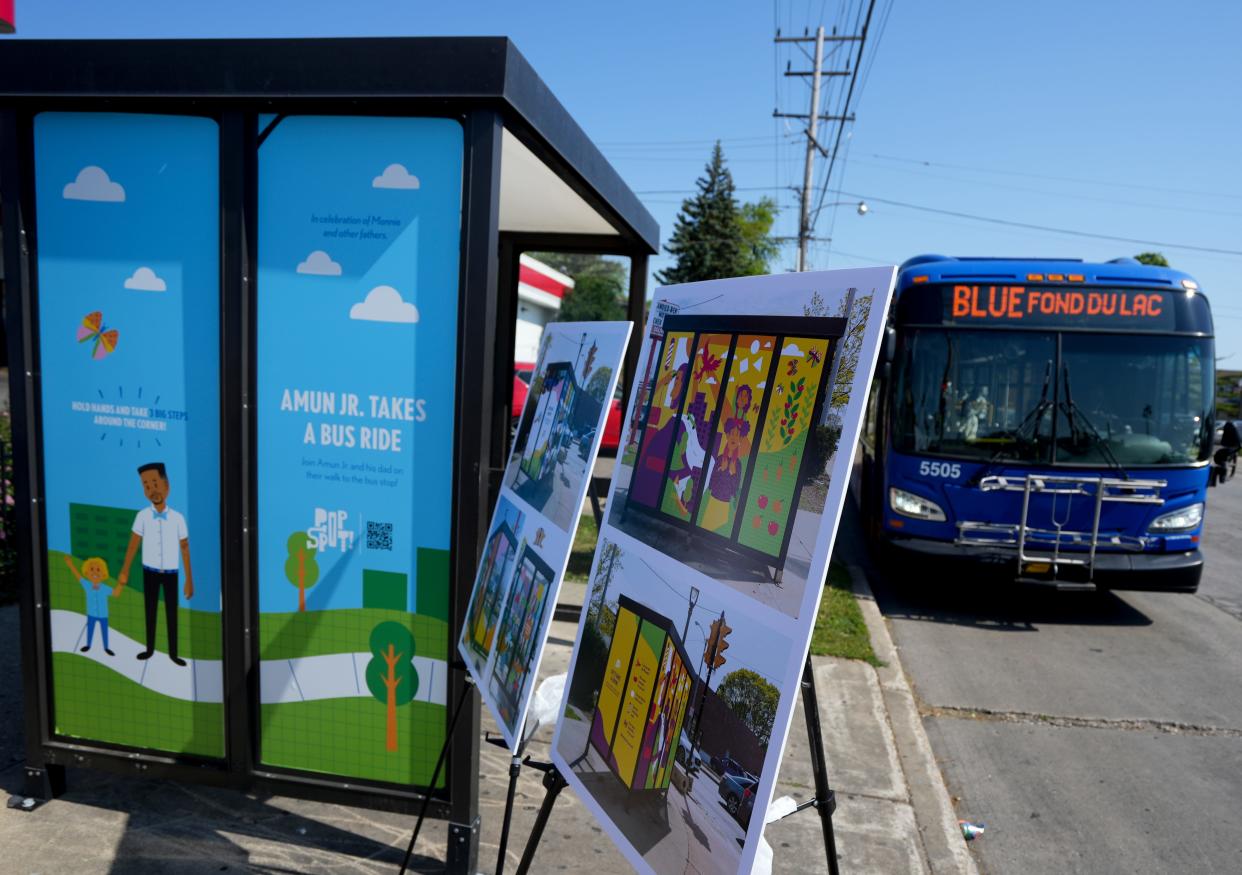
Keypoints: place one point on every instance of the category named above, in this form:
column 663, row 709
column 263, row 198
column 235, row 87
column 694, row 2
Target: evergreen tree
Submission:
column 708, row 240
column 1153, row 258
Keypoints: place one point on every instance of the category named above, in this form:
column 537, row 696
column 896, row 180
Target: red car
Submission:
column 523, row 372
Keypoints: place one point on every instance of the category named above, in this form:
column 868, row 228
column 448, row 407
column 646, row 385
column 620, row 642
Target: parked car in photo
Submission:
column 524, row 373
column 738, row 793
column 726, row 765
column 690, row 758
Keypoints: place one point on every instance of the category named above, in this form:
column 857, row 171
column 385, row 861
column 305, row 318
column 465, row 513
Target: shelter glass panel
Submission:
column 128, row 303
column 359, row 237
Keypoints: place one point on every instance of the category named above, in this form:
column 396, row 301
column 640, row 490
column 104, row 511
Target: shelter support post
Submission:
column 43, row 779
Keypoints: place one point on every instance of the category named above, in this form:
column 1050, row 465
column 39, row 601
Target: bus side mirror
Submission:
column 890, row 346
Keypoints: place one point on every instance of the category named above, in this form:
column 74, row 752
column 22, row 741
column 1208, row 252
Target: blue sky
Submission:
column 1112, row 117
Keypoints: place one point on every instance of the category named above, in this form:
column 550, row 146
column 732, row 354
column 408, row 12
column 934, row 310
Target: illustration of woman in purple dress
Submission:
column 732, row 448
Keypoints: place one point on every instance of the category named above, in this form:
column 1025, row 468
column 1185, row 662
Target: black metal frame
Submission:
column 484, row 83
column 831, row 329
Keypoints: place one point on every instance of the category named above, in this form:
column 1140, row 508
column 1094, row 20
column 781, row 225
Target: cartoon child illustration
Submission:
column 165, row 541
column 94, row 573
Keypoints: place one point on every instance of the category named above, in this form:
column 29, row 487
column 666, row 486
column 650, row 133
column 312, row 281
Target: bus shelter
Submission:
column 643, row 698
column 260, row 311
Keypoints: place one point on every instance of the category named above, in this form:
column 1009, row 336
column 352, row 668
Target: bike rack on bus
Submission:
column 1023, row 535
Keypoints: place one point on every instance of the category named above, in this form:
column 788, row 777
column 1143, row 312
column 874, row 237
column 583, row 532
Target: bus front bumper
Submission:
column 1165, row 572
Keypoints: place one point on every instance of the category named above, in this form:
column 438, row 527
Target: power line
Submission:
column 1077, row 180
column 1033, row 227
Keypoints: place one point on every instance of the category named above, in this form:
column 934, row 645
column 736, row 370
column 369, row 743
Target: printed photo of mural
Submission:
column 359, row 237
column 722, row 455
column 514, row 663
column 568, row 398
column 128, row 307
column 537, row 514
column 711, row 560
column 665, row 683
column 491, row 584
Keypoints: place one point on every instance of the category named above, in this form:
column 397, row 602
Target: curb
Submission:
column 933, row 809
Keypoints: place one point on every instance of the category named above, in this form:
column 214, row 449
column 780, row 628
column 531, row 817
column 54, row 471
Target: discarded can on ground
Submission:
column 971, row 831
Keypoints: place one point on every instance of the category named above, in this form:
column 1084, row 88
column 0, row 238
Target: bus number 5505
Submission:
column 940, row 469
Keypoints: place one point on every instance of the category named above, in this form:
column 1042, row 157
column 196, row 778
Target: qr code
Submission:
column 379, row 536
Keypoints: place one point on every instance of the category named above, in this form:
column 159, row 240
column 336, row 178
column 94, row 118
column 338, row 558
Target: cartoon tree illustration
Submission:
column 301, row 569
column 391, row 676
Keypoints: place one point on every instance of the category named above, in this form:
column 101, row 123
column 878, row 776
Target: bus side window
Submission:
column 869, row 427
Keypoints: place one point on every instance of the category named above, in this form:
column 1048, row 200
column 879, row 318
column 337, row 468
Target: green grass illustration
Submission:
column 93, row 702
column 347, row 737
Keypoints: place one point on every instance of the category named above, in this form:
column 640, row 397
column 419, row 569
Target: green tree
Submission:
column 1156, row 259
column 301, row 569
column 580, row 264
column 599, row 292
column 850, row 345
column 761, row 248
column 708, row 242
column 752, row 699
column 598, row 384
column 595, row 297
column 391, row 676
column 598, row 613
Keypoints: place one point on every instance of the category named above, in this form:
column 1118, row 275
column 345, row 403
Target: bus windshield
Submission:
column 1140, row 400
column 1107, row 400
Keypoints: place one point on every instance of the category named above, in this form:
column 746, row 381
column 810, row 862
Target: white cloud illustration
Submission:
column 711, row 381
column 763, row 385
column 384, row 304
column 743, row 365
column 145, row 280
column 319, row 263
column 754, row 346
column 93, row 184
column 395, row 176
column 792, row 349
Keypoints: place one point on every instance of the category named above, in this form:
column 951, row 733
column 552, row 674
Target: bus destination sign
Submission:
column 1059, row 307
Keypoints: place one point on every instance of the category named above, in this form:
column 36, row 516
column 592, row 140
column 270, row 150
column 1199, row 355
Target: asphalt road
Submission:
column 1090, row 733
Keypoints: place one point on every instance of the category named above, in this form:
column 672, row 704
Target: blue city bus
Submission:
column 1049, row 419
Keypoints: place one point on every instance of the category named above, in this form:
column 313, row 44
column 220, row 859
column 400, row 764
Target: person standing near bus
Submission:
column 165, row 541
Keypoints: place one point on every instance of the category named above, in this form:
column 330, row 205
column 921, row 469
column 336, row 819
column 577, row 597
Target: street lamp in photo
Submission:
column 694, row 600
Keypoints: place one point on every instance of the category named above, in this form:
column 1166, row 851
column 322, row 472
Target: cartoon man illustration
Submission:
column 165, row 541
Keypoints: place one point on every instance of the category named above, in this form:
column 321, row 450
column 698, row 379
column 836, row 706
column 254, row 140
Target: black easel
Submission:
column 515, row 769
column 824, row 801
column 553, row 783
column 435, row 775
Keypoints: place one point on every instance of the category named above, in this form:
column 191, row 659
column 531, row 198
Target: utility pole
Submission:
column 806, row 217
column 808, row 171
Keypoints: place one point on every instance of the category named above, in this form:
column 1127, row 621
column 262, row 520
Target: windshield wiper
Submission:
column 1031, row 420
column 1074, row 414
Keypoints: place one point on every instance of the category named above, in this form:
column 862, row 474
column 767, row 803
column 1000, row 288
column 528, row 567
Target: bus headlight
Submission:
column 909, row 504
column 1180, row 520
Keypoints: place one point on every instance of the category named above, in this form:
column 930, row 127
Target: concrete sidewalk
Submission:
column 893, row 813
